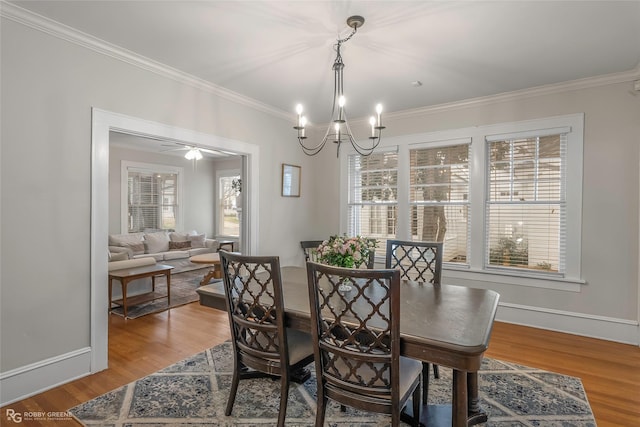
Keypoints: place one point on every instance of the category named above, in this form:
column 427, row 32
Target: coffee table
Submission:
column 212, row 259
column 126, row 275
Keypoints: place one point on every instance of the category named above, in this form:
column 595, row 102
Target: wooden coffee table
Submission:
column 126, row 275
column 213, row 259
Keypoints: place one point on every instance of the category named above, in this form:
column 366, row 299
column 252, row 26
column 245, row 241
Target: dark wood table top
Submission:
column 443, row 324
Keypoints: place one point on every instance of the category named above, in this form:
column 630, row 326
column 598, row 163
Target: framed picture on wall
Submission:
column 291, row 180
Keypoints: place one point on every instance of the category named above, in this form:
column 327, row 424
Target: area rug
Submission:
column 194, row 392
column 183, row 291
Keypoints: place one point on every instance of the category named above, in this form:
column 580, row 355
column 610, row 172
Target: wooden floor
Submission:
column 609, row 371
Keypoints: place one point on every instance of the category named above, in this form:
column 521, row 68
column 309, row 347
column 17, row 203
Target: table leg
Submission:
column 168, row 274
column 110, row 293
column 460, row 399
column 477, row 415
column 210, row 275
column 124, row 282
column 153, row 283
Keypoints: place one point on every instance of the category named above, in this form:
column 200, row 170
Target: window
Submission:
column 373, row 196
column 229, row 203
column 152, row 197
column 505, row 199
column 525, row 205
column 438, row 197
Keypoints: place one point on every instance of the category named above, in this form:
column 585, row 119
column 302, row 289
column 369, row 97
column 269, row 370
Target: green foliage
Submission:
column 509, row 252
column 348, row 252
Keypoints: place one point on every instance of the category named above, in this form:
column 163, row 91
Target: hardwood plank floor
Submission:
column 609, row 371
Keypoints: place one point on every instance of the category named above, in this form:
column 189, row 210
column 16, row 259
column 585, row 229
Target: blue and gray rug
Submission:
column 194, row 392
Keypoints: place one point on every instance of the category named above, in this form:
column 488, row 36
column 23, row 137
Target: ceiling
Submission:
column 280, row 53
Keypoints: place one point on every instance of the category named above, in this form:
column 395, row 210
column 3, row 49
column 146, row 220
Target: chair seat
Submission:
column 409, row 370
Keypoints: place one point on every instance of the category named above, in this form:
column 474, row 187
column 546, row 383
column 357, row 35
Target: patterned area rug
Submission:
column 183, row 291
column 194, row 393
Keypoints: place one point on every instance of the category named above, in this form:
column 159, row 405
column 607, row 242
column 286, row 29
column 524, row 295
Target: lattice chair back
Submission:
column 309, row 247
column 256, row 310
column 357, row 338
column 416, row 261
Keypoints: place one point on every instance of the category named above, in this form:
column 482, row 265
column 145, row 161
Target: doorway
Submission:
column 104, row 122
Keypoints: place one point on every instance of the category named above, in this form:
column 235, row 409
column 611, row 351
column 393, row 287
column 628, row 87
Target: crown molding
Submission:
column 72, row 35
column 589, row 82
column 64, row 32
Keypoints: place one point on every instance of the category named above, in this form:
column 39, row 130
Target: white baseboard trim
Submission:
column 606, row 328
column 35, row 378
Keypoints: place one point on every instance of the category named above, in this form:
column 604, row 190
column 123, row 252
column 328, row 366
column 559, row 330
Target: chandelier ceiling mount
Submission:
column 339, row 130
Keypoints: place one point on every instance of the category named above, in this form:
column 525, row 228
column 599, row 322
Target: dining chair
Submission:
column 262, row 346
column 356, row 337
column 309, row 248
column 419, row 262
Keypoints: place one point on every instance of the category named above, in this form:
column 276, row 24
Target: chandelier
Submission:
column 339, row 130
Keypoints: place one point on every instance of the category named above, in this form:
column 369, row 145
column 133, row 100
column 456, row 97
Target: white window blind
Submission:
column 152, row 200
column 373, row 196
column 526, row 203
column 439, row 198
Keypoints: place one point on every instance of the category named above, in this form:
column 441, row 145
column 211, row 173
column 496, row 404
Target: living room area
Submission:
column 167, row 205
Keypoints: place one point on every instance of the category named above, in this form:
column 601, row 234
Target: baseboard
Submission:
column 35, row 378
column 606, row 328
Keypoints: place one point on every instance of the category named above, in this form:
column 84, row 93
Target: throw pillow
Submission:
column 178, row 237
column 177, row 246
column 137, row 248
column 122, row 239
column 197, row 241
column 156, row 242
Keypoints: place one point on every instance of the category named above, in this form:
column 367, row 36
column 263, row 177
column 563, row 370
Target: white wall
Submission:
column 49, row 86
column 606, row 306
column 198, row 188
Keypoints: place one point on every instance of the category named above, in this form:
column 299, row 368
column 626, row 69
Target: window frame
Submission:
column 475, row 268
column 224, row 173
column 152, row 168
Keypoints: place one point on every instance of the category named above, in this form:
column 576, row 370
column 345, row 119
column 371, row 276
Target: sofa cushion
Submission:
column 198, row 251
column 158, row 257
column 176, row 255
column 179, row 245
column 197, row 240
column 178, row 237
column 156, row 242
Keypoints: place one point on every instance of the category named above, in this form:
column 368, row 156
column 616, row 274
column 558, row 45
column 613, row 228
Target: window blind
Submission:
column 526, row 203
column 152, row 200
column 373, row 196
column 439, row 198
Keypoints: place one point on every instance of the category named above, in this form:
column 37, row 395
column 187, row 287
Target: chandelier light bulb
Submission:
column 299, row 109
column 341, row 101
column 379, row 111
column 372, row 122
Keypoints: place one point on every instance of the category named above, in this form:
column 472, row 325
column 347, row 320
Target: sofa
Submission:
column 166, row 247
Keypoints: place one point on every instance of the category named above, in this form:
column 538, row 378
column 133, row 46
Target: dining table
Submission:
column 446, row 325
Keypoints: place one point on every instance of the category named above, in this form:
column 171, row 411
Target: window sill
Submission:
column 507, row 278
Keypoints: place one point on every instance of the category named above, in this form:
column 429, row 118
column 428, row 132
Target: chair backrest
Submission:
column 356, row 333
column 253, row 289
column 309, row 248
column 417, row 261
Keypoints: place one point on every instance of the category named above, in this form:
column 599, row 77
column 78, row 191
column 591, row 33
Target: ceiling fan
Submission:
column 195, row 153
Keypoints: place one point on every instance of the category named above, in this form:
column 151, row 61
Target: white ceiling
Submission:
column 280, row 52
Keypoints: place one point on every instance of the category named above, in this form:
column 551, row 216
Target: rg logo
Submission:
column 14, row 416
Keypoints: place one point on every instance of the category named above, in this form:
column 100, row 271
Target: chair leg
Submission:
column 417, row 406
column 232, row 392
column 320, row 410
column 425, row 382
column 284, row 398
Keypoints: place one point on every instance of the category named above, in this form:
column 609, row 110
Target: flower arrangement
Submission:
column 343, row 251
